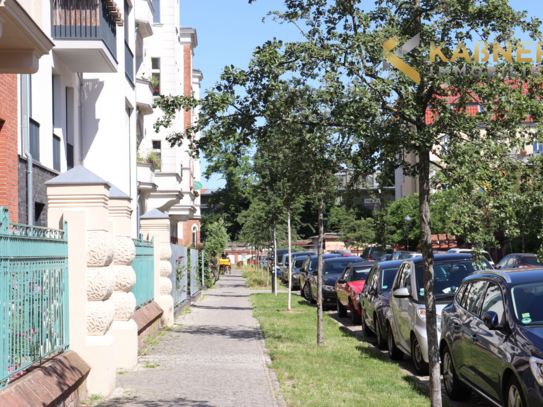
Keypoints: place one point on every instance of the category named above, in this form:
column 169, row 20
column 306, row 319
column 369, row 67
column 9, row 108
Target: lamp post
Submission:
column 407, row 220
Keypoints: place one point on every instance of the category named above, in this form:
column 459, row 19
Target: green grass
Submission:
column 344, row 372
column 257, row 279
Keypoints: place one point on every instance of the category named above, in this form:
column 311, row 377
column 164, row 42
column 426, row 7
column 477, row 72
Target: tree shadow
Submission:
column 133, row 402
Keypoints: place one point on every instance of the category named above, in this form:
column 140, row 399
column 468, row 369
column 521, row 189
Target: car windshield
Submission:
column 527, row 300
column 532, row 261
column 387, row 278
column 448, row 276
column 337, row 267
column 405, row 255
column 298, row 263
column 361, row 273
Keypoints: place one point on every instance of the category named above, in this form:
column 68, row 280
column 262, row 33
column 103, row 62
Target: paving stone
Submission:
column 214, row 356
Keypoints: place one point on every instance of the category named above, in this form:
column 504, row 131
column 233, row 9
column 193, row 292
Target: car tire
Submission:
column 393, row 351
column 421, row 367
column 355, row 318
column 305, row 292
column 341, row 311
column 453, row 386
column 381, row 343
column 514, row 396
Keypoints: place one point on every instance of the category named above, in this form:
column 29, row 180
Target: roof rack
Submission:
column 498, row 273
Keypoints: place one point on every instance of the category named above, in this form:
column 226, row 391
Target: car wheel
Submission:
column 453, row 386
column 366, row 328
column 421, row 367
column 381, row 344
column 393, row 351
column 514, row 393
column 305, row 292
column 355, row 318
column 341, row 311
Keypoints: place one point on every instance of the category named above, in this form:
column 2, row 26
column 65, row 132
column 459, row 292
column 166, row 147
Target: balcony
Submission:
column 144, row 96
column 146, row 178
column 22, row 42
column 85, row 34
column 144, row 17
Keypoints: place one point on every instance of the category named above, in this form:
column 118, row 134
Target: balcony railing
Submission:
column 84, row 20
column 129, row 63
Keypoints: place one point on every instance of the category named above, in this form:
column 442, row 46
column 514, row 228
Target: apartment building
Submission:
column 166, row 175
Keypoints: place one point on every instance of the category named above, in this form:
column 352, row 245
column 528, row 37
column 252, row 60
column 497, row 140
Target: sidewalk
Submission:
column 214, row 356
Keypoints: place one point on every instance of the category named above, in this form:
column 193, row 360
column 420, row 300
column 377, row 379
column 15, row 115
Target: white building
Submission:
column 169, row 186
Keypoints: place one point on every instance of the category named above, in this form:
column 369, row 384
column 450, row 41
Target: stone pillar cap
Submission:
column 77, row 176
column 154, row 214
column 116, row 193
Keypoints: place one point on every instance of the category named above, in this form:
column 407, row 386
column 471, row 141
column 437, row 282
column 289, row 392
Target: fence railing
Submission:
column 33, row 294
column 144, row 266
column 194, row 286
column 84, row 19
column 180, row 271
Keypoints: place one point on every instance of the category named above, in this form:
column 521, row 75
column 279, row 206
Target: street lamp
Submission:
column 407, row 220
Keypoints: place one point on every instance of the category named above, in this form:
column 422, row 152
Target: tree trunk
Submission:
column 274, row 261
column 320, row 330
column 289, row 261
column 428, row 278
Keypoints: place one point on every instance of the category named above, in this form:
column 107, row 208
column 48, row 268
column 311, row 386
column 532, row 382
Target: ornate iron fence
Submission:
column 194, row 286
column 33, row 294
column 179, row 276
column 144, row 266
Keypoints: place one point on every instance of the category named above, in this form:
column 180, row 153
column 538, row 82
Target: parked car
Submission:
column 331, row 271
column 308, row 267
column 280, row 253
column 406, row 322
column 375, row 300
column 517, row 260
column 348, row 288
column 402, row 255
column 492, row 338
column 342, row 252
column 464, row 251
column 296, row 267
column 374, row 253
column 285, row 260
column 386, row 257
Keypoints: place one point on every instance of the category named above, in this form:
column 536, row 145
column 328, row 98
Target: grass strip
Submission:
column 256, row 280
column 344, row 372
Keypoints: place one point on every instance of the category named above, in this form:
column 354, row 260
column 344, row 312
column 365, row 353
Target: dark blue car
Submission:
column 492, row 338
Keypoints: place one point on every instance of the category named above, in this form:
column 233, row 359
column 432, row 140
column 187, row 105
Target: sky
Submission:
column 229, row 31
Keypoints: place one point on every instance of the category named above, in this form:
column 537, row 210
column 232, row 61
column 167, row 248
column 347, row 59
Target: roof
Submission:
column 343, row 258
column 512, row 276
column 154, row 214
column 295, row 254
column 391, row 263
column 327, row 256
column 363, row 263
column 77, row 175
column 116, row 193
column 443, row 257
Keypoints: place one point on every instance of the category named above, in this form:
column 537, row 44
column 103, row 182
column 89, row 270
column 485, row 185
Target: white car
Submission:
column 484, row 252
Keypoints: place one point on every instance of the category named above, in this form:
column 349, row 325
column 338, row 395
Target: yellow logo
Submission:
column 395, row 58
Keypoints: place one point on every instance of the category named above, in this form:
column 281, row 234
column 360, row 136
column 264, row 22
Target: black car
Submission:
column 492, row 338
column 331, row 271
column 308, row 267
column 375, row 253
column 375, row 299
column 285, row 261
column 517, row 260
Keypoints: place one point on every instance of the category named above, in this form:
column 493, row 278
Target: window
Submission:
column 387, row 278
column 503, row 262
column 494, row 302
column 460, row 293
column 474, row 297
column 155, row 73
column 156, row 15
column 126, row 22
column 345, row 275
column 56, row 153
column 404, row 279
column 70, row 101
column 538, row 148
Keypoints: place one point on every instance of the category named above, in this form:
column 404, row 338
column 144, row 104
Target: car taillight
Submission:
column 525, row 265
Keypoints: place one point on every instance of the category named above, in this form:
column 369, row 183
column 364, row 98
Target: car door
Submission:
column 487, row 354
column 399, row 307
column 459, row 335
column 303, row 272
column 341, row 286
column 373, row 296
column 365, row 298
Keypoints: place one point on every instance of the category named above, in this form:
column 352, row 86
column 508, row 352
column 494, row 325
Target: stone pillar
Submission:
column 124, row 329
column 82, row 199
column 156, row 224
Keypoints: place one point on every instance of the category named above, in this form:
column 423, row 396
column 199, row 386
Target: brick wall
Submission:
column 41, row 175
column 8, row 145
column 187, row 233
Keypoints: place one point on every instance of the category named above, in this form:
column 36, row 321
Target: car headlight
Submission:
column 421, row 312
column 328, row 288
column 537, row 369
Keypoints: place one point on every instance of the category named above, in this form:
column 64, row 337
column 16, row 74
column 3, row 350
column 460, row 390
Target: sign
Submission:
column 372, row 201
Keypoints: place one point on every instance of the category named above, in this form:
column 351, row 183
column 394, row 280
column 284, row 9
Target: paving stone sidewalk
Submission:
column 214, row 356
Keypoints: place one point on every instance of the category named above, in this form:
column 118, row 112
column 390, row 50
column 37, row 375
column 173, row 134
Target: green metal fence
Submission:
column 144, row 265
column 33, row 294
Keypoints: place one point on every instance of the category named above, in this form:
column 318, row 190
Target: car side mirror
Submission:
column 404, row 292
column 491, row 321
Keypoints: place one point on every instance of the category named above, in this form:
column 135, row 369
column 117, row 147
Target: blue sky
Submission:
column 229, row 31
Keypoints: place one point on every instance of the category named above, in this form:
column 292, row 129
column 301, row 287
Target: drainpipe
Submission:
column 81, row 156
column 25, row 100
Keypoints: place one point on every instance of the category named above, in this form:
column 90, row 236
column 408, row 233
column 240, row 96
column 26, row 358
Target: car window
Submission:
column 527, row 303
column 494, row 302
column 298, row 263
column 337, row 267
column 404, row 278
column 474, row 297
column 368, row 285
column 503, row 262
column 461, row 292
column 360, row 273
column 346, row 273
column 387, row 278
column 532, row 261
column 366, row 252
column 395, row 256
column 464, row 299
column 487, row 256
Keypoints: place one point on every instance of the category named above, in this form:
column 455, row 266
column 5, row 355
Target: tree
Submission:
column 379, row 117
column 358, row 233
column 217, row 238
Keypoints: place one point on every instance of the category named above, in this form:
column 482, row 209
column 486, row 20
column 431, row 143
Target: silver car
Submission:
column 406, row 320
